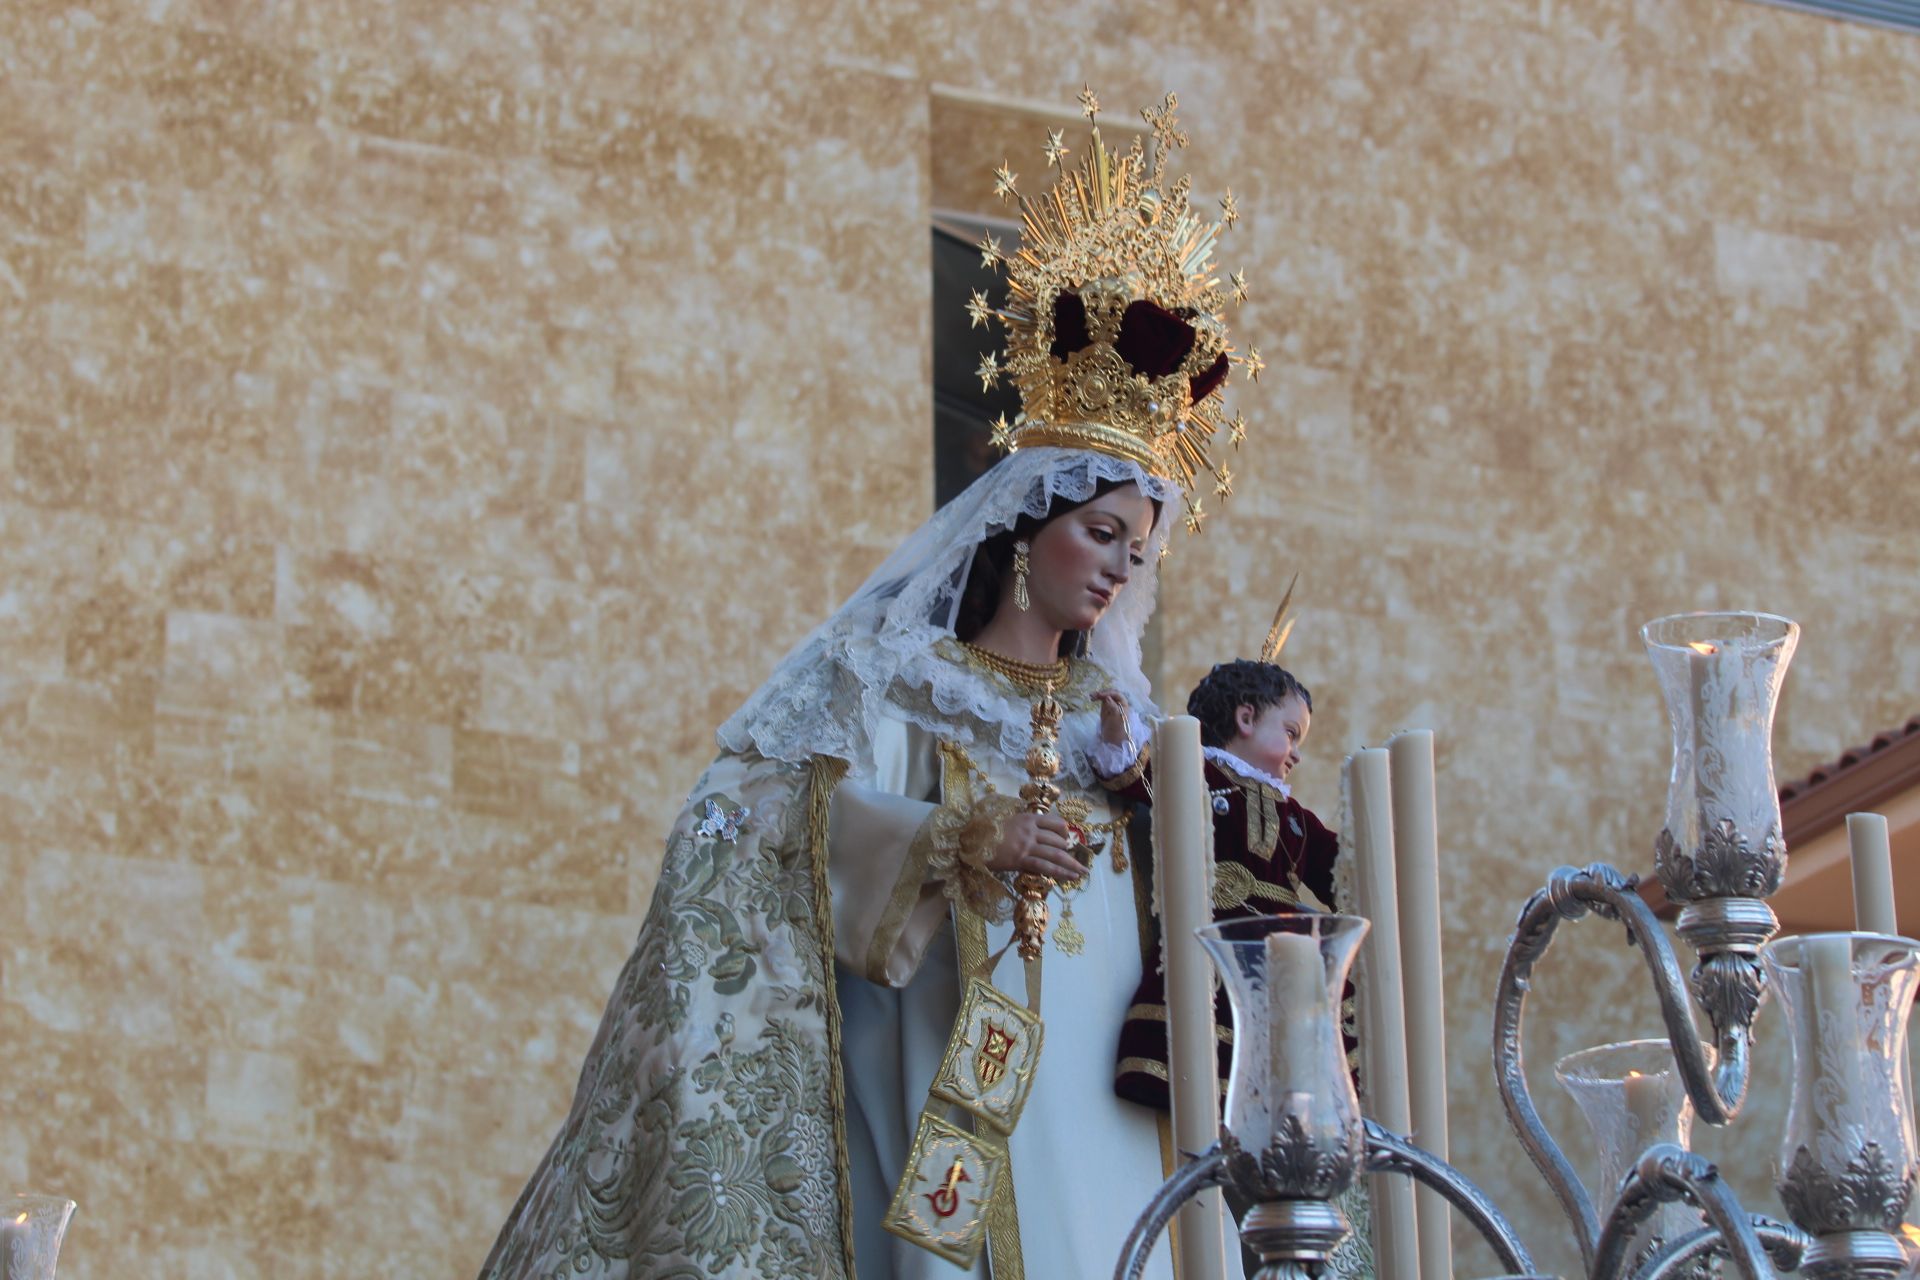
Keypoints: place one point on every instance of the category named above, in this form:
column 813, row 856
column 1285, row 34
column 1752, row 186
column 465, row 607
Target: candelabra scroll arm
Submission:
column 1718, row 1086
column 1532, row 935
column 1664, row 1173
column 1387, row 1152
column 1785, row 1243
column 1188, row 1181
column 1717, row 1092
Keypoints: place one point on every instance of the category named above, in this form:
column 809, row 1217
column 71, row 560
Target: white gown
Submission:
column 1085, row 1163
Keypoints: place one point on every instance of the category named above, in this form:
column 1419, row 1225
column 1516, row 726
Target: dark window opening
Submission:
column 963, row 412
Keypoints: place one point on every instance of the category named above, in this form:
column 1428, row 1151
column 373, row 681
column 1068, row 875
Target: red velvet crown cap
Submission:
column 1153, row 341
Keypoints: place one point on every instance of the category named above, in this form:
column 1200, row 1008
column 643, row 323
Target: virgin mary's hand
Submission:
column 1039, row 843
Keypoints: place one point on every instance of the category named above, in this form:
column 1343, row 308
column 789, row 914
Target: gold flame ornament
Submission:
column 1282, row 627
column 1115, row 312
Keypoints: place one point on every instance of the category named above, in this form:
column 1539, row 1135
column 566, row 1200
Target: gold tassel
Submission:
column 823, row 776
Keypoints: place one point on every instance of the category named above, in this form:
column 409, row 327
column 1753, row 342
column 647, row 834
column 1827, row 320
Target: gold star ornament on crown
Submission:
column 1115, row 313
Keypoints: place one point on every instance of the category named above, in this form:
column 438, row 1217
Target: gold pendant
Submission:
column 1067, row 935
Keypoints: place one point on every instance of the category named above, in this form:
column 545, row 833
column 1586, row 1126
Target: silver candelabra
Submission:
column 1293, row 1138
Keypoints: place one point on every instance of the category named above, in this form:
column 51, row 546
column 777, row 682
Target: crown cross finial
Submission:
column 1165, row 125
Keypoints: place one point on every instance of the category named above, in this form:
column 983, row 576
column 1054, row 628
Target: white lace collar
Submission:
column 1234, row 764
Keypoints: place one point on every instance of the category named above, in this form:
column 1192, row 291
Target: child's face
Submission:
column 1270, row 740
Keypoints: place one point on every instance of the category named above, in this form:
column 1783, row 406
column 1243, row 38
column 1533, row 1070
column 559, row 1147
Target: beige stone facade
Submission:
column 420, row 424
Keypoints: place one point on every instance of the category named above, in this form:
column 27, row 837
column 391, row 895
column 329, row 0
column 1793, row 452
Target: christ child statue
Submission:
column 1271, row 854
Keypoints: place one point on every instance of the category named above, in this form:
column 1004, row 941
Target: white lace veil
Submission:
column 829, row 693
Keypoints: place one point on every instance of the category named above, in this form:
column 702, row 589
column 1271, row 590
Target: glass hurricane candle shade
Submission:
column 1720, row 674
column 1847, row 1158
column 31, row 1228
column 1632, row 1097
column 1290, row 1099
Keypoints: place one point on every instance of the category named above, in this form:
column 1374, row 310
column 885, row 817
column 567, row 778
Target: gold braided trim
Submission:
column 1132, row 773
column 823, row 777
column 1097, row 436
column 1158, row 1013
column 1263, row 822
column 970, row 940
column 1145, row 1066
column 1158, row 1070
column 1003, row 1215
column 1004, row 1259
column 1233, row 884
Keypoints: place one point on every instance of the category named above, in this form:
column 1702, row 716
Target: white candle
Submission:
column 1646, row 1102
column 13, row 1238
column 1383, row 1044
column 1416, row 853
column 1872, row 857
column 1834, row 1001
column 1701, row 655
column 1183, row 857
column 1299, row 1017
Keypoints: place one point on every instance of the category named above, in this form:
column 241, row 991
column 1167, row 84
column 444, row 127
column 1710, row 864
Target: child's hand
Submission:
column 1114, row 716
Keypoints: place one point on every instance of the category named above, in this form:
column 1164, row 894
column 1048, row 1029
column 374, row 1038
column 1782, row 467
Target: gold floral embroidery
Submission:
column 731, row 1163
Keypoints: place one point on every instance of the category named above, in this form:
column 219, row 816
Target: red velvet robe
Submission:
column 1271, row 855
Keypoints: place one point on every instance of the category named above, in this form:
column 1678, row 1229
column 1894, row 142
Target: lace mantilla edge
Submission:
column 971, row 707
column 828, row 695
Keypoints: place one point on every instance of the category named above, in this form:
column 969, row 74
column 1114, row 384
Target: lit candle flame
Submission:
column 1702, row 646
column 20, row 1221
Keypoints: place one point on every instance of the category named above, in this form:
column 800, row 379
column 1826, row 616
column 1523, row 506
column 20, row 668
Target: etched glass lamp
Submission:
column 31, row 1228
column 1847, row 1157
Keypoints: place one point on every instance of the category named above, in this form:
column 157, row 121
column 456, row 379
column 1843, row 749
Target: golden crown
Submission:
column 1116, row 332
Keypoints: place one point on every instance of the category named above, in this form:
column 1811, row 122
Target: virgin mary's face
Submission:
column 1079, row 561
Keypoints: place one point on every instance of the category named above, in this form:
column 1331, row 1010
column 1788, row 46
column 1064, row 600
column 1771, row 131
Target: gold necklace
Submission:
column 1029, row 677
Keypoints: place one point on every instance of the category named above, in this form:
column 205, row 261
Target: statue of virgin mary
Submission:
column 748, row 1103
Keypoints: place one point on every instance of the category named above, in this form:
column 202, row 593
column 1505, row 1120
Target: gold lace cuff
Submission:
column 957, row 846
column 1132, row 773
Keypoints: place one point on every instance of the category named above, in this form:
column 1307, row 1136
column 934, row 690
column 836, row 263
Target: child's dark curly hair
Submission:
column 1240, row 683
